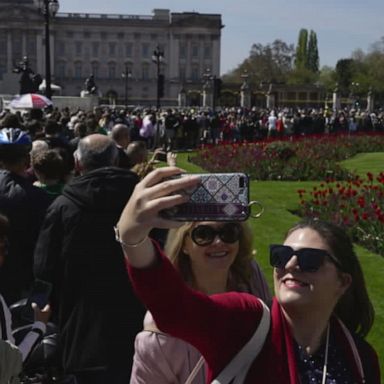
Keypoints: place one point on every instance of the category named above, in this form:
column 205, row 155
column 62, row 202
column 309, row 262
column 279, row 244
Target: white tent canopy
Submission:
column 54, row 87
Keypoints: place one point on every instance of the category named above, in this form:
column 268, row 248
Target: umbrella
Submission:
column 30, row 100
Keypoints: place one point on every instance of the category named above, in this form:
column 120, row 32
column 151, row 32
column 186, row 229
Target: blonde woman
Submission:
column 212, row 257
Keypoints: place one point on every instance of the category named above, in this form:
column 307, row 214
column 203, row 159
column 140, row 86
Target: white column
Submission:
column 39, row 54
column 24, row 43
column 52, row 58
column 172, row 60
column 9, row 53
column 216, row 56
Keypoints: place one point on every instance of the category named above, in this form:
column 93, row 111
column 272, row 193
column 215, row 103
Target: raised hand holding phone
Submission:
column 157, row 191
column 37, row 307
column 43, row 314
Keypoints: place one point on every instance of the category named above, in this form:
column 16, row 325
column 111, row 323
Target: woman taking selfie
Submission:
column 318, row 317
column 212, row 257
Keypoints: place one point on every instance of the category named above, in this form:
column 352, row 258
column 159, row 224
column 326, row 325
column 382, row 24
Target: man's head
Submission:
column 52, row 128
column 95, row 151
column 48, row 166
column 120, row 135
column 137, row 152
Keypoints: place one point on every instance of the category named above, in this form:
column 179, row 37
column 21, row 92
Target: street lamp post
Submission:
column 158, row 58
column 49, row 9
column 127, row 74
column 354, row 94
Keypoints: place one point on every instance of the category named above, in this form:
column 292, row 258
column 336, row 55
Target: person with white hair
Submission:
column 272, row 124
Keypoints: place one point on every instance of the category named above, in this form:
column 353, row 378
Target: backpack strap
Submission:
column 238, row 367
column 195, row 370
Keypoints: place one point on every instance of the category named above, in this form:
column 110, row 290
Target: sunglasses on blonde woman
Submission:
column 205, row 234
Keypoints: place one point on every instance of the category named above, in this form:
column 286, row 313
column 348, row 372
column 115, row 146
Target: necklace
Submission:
column 325, row 364
column 326, row 357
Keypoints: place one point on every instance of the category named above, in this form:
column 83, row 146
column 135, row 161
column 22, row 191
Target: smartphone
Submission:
column 219, row 197
column 40, row 293
column 161, row 156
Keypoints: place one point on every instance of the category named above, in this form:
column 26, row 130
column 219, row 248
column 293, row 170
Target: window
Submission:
column 16, row 47
column 207, row 52
column 69, row 34
column 195, row 51
column 31, row 45
column 313, row 96
column 302, row 96
column 61, row 70
column 3, row 67
column 111, row 71
column 78, row 48
column 95, row 69
column 120, row 35
column 95, row 49
column 291, row 95
column 145, row 50
column 128, row 49
column 103, row 35
column 154, row 36
column 182, row 51
column 136, row 36
column 60, row 48
column 145, row 71
column 86, row 34
column 112, row 49
column 182, row 72
column 195, row 72
column 78, row 70
column 3, row 44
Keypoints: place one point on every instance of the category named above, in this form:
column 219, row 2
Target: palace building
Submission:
column 116, row 49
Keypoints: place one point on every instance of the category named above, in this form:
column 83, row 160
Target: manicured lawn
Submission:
column 366, row 162
column 280, row 198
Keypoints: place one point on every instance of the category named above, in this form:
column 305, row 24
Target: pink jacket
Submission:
column 162, row 359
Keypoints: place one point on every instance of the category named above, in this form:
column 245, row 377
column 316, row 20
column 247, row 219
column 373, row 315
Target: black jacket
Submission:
column 93, row 302
column 25, row 207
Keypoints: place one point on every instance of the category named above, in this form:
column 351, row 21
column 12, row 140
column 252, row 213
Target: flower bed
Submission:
column 356, row 204
column 305, row 158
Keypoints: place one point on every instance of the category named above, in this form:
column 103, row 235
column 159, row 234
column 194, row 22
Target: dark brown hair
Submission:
column 354, row 307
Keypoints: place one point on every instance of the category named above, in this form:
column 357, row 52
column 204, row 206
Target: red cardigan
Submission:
column 219, row 325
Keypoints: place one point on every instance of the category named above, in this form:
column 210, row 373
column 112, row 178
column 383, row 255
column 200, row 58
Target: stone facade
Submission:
column 105, row 45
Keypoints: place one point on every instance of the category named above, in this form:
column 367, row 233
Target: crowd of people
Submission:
column 188, row 128
column 65, row 180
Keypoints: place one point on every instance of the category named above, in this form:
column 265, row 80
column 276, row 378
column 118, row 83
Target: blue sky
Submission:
column 341, row 25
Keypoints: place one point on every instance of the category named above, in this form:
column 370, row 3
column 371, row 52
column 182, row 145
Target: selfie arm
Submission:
column 153, row 194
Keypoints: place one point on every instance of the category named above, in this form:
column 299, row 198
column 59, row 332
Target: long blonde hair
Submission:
column 240, row 271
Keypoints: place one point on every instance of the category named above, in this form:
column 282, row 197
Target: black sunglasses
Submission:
column 205, row 234
column 309, row 259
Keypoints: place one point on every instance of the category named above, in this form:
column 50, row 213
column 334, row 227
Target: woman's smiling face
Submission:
column 321, row 289
column 213, row 257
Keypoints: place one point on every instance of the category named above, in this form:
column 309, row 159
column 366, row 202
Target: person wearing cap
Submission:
column 25, row 206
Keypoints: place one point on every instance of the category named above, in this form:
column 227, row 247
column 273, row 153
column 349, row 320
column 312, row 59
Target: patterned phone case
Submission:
column 219, row 197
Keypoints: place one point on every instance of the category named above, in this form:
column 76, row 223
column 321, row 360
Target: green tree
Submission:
column 266, row 63
column 345, row 71
column 327, row 78
column 313, row 53
column 301, row 60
